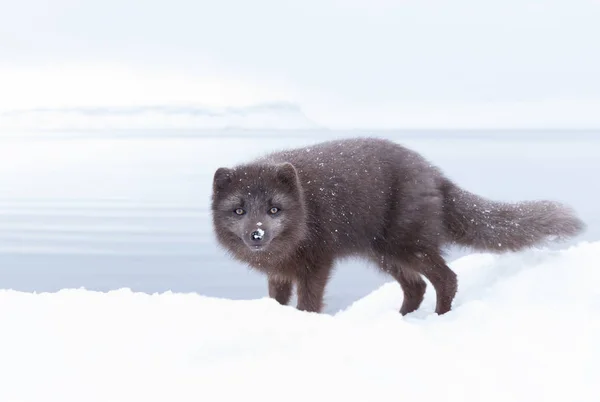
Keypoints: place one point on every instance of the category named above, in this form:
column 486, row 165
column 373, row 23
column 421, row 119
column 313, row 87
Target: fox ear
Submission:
column 286, row 174
column 222, row 178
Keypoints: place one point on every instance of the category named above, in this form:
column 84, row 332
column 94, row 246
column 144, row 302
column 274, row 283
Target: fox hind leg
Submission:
column 444, row 280
column 412, row 284
column 413, row 287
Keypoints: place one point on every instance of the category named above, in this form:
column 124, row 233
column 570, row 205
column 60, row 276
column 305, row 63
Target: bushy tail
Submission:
column 487, row 225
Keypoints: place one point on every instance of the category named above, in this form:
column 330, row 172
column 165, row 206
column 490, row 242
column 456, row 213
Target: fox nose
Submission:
column 257, row 235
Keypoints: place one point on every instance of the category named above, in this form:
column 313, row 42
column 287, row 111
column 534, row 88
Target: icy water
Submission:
column 108, row 210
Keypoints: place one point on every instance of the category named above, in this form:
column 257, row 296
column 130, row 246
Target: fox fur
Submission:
column 291, row 214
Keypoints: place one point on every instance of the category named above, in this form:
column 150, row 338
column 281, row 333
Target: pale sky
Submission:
column 346, row 63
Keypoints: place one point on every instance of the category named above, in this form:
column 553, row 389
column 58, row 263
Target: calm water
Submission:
column 130, row 209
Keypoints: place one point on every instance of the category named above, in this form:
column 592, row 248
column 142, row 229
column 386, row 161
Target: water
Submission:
column 107, row 210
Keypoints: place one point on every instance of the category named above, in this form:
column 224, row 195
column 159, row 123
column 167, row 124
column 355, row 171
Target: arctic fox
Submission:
column 291, row 214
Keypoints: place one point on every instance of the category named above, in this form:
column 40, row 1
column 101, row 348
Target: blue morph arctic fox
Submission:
column 291, row 214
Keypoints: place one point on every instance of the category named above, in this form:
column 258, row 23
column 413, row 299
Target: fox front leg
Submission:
column 311, row 288
column 280, row 290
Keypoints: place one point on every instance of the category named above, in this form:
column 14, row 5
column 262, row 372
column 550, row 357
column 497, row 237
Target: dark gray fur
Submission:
column 371, row 198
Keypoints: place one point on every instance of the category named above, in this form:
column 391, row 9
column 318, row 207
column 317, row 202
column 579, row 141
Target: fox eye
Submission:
column 274, row 210
column 240, row 211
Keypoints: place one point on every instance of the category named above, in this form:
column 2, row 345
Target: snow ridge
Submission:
column 524, row 327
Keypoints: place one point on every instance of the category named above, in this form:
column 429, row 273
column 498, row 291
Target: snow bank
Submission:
column 525, row 327
column 279, row 115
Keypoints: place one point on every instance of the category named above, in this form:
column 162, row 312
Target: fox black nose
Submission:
column 257, row 235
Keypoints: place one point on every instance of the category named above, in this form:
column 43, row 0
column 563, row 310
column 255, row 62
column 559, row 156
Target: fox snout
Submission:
column 257, row 238
column 257, row 235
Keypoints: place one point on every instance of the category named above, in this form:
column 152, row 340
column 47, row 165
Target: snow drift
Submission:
column 525, row 327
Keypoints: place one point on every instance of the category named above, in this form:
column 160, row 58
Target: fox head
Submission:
column 258, row 210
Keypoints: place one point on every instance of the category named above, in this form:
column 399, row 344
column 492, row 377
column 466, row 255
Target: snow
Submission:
column 258, row 234
column 524, row 328
column 280, row 115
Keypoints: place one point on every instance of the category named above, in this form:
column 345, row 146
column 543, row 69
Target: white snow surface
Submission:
column 524, row 327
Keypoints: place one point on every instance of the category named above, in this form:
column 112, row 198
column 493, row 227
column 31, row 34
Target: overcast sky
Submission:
column 351, row 62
